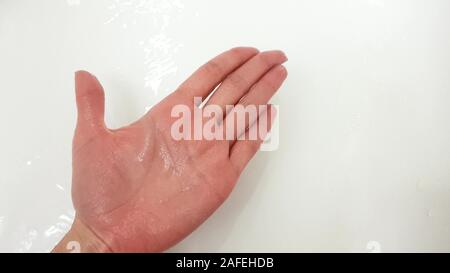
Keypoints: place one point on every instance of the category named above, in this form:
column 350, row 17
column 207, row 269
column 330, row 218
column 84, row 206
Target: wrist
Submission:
column 81, row 239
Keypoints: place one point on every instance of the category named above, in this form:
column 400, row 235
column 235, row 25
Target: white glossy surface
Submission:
column 364, row 156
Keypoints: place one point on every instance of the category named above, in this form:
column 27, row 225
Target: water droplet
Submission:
column 187, row 188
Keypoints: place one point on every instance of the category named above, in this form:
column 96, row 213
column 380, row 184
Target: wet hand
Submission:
column 137, row 188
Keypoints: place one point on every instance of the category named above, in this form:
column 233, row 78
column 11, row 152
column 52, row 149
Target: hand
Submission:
column 137, row 188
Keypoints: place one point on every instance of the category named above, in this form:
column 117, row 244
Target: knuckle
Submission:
column 269, row 84
column 236, row 81
column 213, row 69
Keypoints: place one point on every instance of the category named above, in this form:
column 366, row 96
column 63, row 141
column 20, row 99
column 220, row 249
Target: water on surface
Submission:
column 364, row 146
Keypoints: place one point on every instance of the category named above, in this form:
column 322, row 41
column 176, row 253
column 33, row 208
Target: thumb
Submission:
column 90, row 103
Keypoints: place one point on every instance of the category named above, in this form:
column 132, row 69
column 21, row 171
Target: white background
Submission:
column 364, row 156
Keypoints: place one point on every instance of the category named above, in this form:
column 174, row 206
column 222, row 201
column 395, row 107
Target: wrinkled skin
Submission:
column 136, row 189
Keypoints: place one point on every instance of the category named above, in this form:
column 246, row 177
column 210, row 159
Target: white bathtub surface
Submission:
column 364, row 156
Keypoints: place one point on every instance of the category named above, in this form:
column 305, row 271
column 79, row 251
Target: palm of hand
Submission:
column 137, row 188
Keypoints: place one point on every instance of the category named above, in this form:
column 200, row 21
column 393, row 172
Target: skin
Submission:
column 136, row 189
